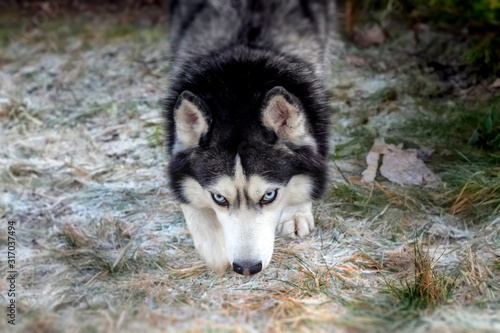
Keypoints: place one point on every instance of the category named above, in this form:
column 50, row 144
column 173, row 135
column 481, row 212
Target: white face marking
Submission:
column 248, row 224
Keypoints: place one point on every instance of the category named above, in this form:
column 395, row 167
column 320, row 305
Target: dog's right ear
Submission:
column 191, row 121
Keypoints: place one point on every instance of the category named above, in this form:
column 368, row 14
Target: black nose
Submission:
column 247, row 269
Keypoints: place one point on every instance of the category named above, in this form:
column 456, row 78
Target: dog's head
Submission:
column 246, row 170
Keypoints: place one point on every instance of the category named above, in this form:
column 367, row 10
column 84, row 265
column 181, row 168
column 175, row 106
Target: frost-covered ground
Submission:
column 101, row 246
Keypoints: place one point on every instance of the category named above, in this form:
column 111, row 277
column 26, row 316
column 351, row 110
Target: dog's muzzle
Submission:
column 247, row 269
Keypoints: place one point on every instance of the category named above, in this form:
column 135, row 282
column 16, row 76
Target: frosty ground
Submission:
column 102, row 246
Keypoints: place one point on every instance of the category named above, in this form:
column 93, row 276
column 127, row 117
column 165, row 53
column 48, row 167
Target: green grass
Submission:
column 64, row 30
column 467, row 132
column 149, row 35
column 155, row 137
column 356, row 148
column 117, row 31
column 10, row 26
column 139, row 33
column 484, row 53
column 467, row 140
column 57, row 32
column 487, row 132
column 358, row 200
column 386, row 94
column 482, row 17
column 420, row 292
column 425, row 291
column 473, row 195
column 466, row 137
column 442, row 123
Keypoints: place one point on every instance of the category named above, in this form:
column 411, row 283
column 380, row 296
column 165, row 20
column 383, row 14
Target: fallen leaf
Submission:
column 369, row 36
column 403, row 167
column 356, row 180
column 495, row 84
column 372, row 160
column 356, row 61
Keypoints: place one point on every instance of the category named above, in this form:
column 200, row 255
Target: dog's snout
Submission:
column 247, row 269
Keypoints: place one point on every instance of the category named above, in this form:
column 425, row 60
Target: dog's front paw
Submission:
column 297, row 221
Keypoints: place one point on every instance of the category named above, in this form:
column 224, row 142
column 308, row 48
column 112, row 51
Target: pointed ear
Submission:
column 191, row 121
column 283, row 113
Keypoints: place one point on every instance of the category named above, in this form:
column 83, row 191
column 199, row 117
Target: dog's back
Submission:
column 298, row 28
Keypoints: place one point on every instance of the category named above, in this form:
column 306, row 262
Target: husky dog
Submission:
column 247, row 123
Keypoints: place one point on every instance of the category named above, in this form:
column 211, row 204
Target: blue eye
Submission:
column 269, row 197
column 220, row 200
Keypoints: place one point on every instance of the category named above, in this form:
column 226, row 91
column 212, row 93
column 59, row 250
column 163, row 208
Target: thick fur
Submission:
column 246, row 114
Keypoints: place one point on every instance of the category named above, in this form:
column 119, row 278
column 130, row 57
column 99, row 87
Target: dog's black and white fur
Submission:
column 247, row 123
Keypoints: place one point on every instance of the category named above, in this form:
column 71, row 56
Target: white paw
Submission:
column 296, row 221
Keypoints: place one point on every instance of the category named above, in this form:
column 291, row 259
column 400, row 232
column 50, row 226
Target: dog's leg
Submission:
column 208, row 236
column 296, row 220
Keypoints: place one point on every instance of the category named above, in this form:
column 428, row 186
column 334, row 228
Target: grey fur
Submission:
column 304, row 29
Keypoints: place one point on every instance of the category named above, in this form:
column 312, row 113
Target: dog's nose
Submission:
column 247, row 269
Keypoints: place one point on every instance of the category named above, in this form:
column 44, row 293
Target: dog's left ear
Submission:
column 284, row 114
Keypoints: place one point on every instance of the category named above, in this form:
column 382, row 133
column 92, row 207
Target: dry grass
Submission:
column 103, row 248
column 425, row 289
column 479, row 197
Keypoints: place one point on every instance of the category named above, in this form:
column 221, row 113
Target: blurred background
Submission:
column 366, row 22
